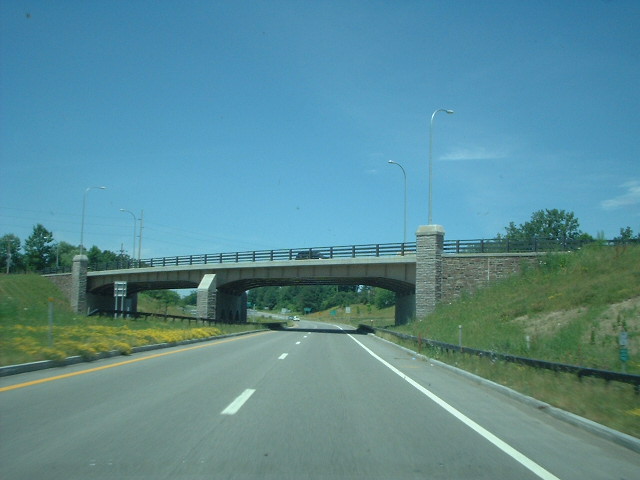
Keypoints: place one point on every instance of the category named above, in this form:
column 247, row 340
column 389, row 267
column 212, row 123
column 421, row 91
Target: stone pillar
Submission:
column 78, row 296
column 206, row 297
column 429, row 247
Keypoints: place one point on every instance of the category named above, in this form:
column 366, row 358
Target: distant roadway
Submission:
column 306, row 403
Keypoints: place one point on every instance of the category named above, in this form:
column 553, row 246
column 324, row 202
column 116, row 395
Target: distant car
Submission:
column 309, row 255
column 296, row 318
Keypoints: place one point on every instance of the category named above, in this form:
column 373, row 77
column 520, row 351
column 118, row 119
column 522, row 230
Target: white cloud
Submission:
column 473, row 153
column 631, row 197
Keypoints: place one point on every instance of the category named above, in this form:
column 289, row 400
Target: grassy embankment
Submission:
column 24, row 325
column 572, row 309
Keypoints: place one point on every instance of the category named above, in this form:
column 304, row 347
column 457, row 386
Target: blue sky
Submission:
column 250, row 125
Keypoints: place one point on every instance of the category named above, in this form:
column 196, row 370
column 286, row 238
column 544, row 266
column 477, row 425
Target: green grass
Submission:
column 25, row 335
column 572, row 309
column 359, row 313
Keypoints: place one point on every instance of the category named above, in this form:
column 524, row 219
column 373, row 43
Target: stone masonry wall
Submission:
column 467, row 273
column 62, row 281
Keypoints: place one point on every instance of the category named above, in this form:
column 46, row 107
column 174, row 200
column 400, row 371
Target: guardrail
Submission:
column 530, row 362
column 273, row 325
column 499, row 245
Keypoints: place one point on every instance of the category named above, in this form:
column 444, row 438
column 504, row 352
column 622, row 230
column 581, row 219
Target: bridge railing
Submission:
column 346, row 251
column 500, row 245
column 505, row 245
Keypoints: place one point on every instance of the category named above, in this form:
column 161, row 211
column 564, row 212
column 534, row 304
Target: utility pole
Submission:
column 8, row 256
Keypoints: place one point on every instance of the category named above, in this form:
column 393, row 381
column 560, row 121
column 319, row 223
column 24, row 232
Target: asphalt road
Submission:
column 306, row 403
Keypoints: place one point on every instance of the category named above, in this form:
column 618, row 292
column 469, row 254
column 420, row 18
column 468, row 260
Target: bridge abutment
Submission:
column 429, row 248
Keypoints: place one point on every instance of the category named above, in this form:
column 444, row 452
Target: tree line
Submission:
column 41, row 251
column 314, row 298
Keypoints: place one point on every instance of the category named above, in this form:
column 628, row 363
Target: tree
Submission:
column 168, row 297
column 626, row 235
column 10, row 253
column 191, row 299
column 38, row 248
column 384, row 298
column 556, row 225
column 64, row 253
column 105, row 257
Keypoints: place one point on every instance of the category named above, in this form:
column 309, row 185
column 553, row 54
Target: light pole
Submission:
column 84, row 206
column 405, row 199
column 431, row 160
column 135, row 220
column 140, row 236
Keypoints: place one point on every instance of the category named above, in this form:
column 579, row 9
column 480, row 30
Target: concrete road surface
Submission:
column 308, row 403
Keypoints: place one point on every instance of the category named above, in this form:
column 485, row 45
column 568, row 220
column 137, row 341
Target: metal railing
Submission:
column 500, row 245
column 347, row 251
column 530, row 362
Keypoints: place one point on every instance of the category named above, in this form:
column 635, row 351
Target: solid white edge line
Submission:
column 237, row 404
column 283, row 356
column 505, row 447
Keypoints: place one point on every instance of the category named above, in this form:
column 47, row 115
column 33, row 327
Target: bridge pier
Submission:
column 206, row 296
column 78, row 292
column 231, row 308
column 223, row 306
column 429, row 248
column 405, row 308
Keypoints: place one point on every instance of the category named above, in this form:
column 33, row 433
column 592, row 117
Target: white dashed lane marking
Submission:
column 237, row 404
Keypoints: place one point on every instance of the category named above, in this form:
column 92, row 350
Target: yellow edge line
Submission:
column 127, row 362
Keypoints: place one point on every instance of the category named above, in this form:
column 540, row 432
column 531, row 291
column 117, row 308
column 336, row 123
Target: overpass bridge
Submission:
column 420, row 273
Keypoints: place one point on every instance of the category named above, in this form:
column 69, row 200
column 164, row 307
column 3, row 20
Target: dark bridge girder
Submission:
column 135, row 287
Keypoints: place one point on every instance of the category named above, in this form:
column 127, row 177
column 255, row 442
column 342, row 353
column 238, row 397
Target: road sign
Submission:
column 119, row 292
column 119, row 289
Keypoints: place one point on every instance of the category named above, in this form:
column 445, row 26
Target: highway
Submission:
column 314, row 402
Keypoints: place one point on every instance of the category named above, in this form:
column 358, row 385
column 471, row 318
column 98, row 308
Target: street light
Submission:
column 135, row 220
column 405, row 199
column 430, row 158
column 84, row 205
